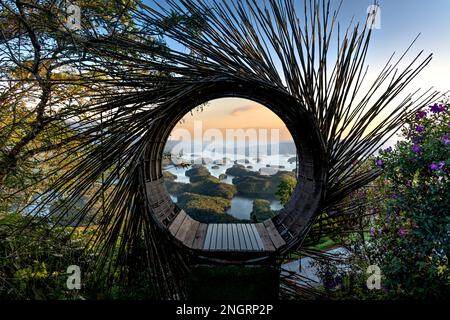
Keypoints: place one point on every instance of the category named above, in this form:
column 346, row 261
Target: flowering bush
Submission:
column 408, row 231
column 410, row 238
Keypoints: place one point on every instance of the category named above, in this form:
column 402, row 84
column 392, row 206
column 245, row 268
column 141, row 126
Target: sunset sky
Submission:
column 235, row 113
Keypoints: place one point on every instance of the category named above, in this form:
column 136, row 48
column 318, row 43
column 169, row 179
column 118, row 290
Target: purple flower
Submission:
column 445, row 139
column 402, row 232
column 437, row 108
column 379, row 163
column 372, row 232
column 416, row 148
column 421, row 114
column 420, row 128
column 437, row 166
column 388, row 150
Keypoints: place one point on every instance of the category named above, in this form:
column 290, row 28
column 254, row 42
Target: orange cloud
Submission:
column 238, row 111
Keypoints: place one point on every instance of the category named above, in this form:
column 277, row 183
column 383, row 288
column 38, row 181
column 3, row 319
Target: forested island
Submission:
column 207, row 198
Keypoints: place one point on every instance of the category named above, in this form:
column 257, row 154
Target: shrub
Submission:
column 408, row 234
column 261, row 210
column 33, row 263
column 412, row 236
column 205, row 209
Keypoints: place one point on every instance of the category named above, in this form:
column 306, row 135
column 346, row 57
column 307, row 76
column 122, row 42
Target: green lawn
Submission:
column 324, row 244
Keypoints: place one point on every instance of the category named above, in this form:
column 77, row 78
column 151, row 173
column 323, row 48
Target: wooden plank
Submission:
column 257, row 237
column 168, row 212
column 247, row 238
column 200, row 236
column 236, row 244
column 242, row 244
column 251, row 237
column 185, row 227
column 213, row 244
column 246, row 245
column 277, row 240
column 163, row 210
column 152, row 189
column 175, row 225
column 224, row 245
column 149, row 185
column 230, row 245
column 208, row 237
column 190, row 236
column 219, row 237
column 265, row 238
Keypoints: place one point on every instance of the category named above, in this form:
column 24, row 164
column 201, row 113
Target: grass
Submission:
column 324, row 244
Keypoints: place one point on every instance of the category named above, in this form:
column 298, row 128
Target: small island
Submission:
column 208, row 199
column 254, row 184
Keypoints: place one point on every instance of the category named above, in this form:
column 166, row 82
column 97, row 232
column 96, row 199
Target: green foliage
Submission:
column 33, row 263
column 412, row 237
column 176, row 188
column 211, row 186
column 409, row 233
column 202, row 183
column 43, row 83
column 261, row 210
column 285, row 189
column 238, row 170
column 197, row 172
column 261, row 186
column 169, row 176
column 324, row 243
column 206, row 209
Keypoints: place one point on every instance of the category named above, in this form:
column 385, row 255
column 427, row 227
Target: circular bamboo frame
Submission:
column 295, row 218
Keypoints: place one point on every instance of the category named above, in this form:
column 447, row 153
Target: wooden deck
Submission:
column 215, row 237
column 226, row 237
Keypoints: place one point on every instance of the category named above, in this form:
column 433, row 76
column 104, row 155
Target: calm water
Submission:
column 241, row 207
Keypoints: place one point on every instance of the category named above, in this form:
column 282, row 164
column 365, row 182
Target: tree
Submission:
column 285, row 189
column 42, row 79
column 46, row 83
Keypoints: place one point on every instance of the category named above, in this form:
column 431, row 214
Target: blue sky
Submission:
column 401, row 22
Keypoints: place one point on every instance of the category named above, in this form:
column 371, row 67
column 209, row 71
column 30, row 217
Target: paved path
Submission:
column 305, row 268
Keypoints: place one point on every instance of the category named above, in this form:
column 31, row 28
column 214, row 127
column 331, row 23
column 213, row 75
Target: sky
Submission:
column 235, row 113
column 401, row 21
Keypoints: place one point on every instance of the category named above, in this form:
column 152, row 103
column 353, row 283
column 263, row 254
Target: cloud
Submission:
column 238, row 111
